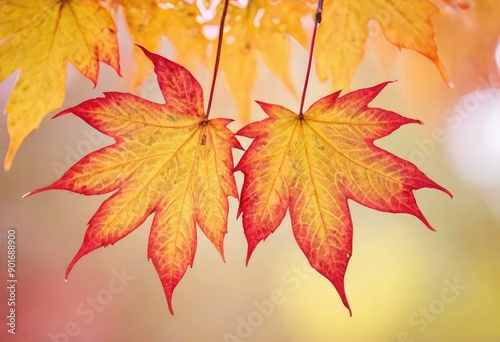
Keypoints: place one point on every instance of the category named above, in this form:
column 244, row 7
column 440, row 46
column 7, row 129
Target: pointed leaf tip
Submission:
column 170, row 308
column 72, row 263
column 181, row 91
column 249, row 255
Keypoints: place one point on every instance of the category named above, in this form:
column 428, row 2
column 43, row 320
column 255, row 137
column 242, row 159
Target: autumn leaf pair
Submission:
column 171, row 160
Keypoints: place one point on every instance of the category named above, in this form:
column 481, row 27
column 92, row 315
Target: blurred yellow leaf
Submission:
column 148, row 21
column 343, row 33
column 39, row 38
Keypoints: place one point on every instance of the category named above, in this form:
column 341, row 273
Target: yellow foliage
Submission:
column 39, row 38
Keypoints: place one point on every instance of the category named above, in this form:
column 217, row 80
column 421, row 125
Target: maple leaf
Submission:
column 312, row 164
column 405, row 24
column 39, row 38
column 168, row 159
column 148, row 21
column 262, row 28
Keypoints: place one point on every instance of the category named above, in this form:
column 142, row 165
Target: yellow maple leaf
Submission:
column 39, row 38
column 343, row 33
column 148, row 21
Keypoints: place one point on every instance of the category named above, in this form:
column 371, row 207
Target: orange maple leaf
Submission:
column 168, row 159
column 344, row 30
column 312, row 164
column 40, row 37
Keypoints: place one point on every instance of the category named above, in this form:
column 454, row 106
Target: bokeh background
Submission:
column 404, row 282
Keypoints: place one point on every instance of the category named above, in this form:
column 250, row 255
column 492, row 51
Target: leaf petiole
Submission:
column 317, row 21
column 217, row 57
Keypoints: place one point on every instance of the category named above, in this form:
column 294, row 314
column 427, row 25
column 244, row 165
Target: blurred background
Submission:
column 404, row 282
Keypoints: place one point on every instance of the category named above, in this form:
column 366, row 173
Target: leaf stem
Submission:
column 217, row 57
column 317, row 21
